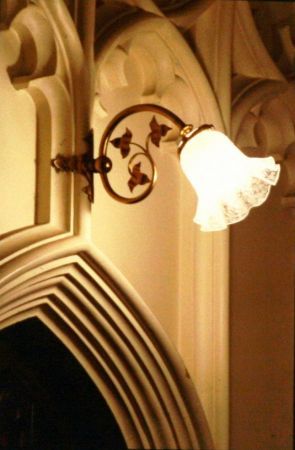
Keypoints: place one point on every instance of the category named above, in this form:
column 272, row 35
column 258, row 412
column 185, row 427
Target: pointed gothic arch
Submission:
column 117, row 340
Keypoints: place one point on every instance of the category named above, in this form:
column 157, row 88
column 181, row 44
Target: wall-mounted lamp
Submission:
column 227, row 182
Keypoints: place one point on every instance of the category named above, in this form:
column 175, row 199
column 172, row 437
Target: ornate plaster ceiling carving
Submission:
column 147, row 60
column 182, row 13
column 263, row 120
column 275, row 23
column 42, row 68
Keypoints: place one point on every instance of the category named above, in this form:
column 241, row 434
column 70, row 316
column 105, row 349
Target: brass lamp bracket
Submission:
column 133, row 153
column 135, row 160
column 84, row 165
column 188, row 131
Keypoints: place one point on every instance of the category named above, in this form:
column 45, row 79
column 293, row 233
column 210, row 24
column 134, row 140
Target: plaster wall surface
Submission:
column 262, row 329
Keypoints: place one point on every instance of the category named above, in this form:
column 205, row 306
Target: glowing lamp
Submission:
column 227, row 182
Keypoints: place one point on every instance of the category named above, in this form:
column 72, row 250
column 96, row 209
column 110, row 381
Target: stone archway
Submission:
column 119, row 343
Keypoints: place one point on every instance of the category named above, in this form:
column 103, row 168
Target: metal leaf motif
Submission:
column 137, row 177
column 157, row 131
column 123, row 143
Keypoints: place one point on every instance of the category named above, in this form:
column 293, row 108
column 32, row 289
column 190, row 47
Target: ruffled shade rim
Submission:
column 266, row 176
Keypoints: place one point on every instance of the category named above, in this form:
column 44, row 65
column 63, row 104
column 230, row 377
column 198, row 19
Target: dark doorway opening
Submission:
column 47, row 400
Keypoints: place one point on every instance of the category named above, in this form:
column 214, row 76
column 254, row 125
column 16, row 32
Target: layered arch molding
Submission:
column 74, row 292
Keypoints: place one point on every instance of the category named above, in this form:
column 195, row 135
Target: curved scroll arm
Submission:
column 87, row 165
column 125, row 142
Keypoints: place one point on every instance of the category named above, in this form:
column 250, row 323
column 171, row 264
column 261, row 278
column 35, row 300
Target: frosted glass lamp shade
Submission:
column 227, row 182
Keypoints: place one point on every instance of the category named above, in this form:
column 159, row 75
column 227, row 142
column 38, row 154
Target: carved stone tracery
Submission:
column 135, row 61
column 43, row 68
column 275, row 22
column 263, row 120
column 61, row 280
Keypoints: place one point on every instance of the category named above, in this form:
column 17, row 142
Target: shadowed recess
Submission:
column 47, row 400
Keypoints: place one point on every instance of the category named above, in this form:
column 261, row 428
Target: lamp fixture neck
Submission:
column 187, row 132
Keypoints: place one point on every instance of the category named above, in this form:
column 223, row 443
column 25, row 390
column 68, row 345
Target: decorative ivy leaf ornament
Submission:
column 157, row 131
column 123, row 143
column 137, row 177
